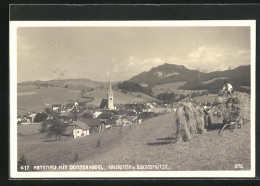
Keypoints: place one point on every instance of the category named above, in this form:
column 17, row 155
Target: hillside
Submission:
column 151, row 142
column 195, row 80
column 32, row 98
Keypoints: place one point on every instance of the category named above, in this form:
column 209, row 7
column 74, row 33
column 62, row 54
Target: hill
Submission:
column 36, row 96
column 150, row 143
column 195, row 80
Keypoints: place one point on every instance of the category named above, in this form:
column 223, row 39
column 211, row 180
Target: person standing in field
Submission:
column 227, row 88
column 207, row 118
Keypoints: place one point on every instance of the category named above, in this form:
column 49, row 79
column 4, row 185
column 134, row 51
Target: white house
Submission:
column 96, row 114
column 79, row 129
column 56, row 107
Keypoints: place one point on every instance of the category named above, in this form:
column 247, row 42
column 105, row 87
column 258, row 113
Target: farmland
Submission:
column 36, row 101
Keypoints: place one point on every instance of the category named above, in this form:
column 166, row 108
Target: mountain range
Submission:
column 167, row 73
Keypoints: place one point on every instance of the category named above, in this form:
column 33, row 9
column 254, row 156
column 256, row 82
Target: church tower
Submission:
column 110, row 98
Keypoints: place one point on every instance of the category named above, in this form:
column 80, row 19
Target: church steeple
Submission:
column 110, row 98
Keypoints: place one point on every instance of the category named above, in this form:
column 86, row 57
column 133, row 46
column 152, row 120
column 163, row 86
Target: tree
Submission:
column 44, row 126
column 57, row 128
column 40, row 117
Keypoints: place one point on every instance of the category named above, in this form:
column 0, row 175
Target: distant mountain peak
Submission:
column 167, row 73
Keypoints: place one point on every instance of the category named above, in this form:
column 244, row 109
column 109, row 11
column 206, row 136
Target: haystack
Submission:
column 182, row 128
column 235, row 108
column 199, row 117
column 189, row 114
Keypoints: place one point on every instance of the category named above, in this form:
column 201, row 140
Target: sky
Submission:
column 45, row 53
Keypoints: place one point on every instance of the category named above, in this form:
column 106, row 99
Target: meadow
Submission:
column 151, row 142
column 31, row 99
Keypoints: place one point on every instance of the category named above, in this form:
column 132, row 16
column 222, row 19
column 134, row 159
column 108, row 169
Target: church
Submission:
column 109, row 102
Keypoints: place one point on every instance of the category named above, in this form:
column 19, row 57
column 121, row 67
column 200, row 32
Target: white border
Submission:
column 120, row 174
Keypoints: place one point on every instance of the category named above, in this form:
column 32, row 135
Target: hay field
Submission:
column 28, row 129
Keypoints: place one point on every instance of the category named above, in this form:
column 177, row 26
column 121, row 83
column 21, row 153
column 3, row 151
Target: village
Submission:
column 81, row 120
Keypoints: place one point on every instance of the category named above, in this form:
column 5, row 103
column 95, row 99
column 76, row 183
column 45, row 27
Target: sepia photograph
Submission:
column 108, row 99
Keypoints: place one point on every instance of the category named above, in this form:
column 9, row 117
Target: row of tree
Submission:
column 134, row 87
column 172, row 97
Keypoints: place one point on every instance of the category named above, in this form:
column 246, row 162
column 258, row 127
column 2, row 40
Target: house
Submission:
column 77, row 129
column 31, row 117
column 123, row 122
column 106, row 115
column 66, row 116
column 56, row 107
column 96, row 114
column 121, row 113
column 110, row 123
column 94, row 124
column 25, row 121
column 84, row 114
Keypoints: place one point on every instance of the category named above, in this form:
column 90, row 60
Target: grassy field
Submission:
column 151, row 142
column 203, row 99
column 36, row 102
column 31, row 99
column 167, row 87
column 119, row 98
column 28, row 129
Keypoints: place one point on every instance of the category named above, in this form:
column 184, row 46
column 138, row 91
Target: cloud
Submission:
column 204, row 58
column 133, row 66
column 213, row 58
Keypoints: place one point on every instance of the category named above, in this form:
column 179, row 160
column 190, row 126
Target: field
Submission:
column 203, row 99
column 43, row 96
column 32, row 99
column 151, row 142
column 119, row 97
column 167, row 87
column 28, row 129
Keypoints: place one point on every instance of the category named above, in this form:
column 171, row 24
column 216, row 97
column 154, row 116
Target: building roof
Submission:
column 85, row 113
column 112, row 121
column 103, row 103
column 80, row 124
column 56, row 105
column 121, row 112
column 66, row 114
column 92, row 122
column 105, row 115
